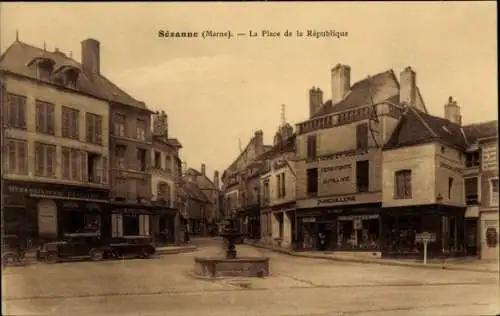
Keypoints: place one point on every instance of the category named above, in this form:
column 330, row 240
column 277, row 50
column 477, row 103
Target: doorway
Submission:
column 131, row 225
column 471, row 231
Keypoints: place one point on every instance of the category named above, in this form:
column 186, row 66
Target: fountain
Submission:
column 231, row 265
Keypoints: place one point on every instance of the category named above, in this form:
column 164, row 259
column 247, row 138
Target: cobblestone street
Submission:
column 164, row 285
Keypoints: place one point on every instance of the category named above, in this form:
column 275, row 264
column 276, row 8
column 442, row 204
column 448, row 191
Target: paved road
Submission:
column 299, row 286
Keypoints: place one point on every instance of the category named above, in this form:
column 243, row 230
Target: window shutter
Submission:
column 39, row 159
column 120, row 225
column 65, row 123
column 90, row 123
column 141, row 225
column 104, row 170
column 22, row 111
column 98, row 129
column 84, row 163
column 146, row 225
column 74, row 164
column 49, row 151
column 22, row 157
column 50, row 118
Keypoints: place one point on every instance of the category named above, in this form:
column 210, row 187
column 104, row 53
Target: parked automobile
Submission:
column 13, row 250
column 76, row 245
column 135, row 246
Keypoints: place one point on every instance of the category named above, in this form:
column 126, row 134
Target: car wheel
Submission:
column 96, row 254
column 9, row 259
column 51, row 257
column 145, row 253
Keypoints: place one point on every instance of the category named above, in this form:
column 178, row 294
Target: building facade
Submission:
column 241, row 186
column 55, row 149
column 165, row 177
column 339, row 178
column 277, row 198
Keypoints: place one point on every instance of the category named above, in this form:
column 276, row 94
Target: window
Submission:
column 311, row 146
column 312, row 181
column 17, row 153
column 450, row 187
column 74, row 164
column 362, row 136
column 266, row 193
column 141, row 130
column 70, row 122
column 494, row 192
column 119, row 125
column 163, row 192
column 362, row 175
column 120, row 156
column 280, row 185
column 472, row 159
column 94, row 128
column 16, row 111
column 472, row 191
column 141, row 159
column 96, row 168
column 157, row 159
column 45, row 160
column 168, row 163
column 402, row 184
column 120, row 188
column 44, row 69
column 44, row 117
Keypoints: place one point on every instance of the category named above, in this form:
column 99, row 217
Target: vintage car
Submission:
column 76, row 245
column 132, row 246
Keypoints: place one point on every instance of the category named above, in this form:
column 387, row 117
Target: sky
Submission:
column 217, row 92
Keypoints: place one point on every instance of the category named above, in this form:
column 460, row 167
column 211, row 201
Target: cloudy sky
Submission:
column 219, row 91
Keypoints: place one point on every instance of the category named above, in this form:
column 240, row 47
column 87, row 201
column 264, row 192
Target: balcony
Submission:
column 472, row 199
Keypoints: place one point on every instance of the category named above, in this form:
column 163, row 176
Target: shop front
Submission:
column 51, row 210
column 133, row 219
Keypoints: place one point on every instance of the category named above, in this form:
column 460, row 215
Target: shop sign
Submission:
column 358, row 217
column 490, row 158
column 63, row 192
column 425, row 237
column 343, row 155
column 340, row 199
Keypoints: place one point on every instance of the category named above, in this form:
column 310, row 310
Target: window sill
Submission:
column 46, row 133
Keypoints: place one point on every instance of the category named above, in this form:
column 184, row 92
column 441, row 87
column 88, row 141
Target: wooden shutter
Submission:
column 98, row 129
column 104, row 168
column 74, row 164
column 49, row 152
column 89, row 125
column 84, row 163
column 39, row 159
column 21, row 104
column 23, row 159
column 65, row 122
column 50, row 118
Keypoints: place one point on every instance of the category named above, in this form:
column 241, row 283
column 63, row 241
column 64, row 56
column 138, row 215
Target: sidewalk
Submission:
column 452, row 264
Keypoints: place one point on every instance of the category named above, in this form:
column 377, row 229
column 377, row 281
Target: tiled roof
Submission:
column 371, row 89
column 416, row 127
column 473, row 132
column 16, row 58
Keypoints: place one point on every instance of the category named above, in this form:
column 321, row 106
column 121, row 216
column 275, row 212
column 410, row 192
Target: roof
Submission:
column 474, row 132
column 367, row 91
column 194, row 192
column 287, row 146
column 416, row 127
column 17, row 57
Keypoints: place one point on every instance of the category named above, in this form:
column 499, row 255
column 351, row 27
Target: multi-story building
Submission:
column 55, row 154
column 211, row 189
column 165, row 176
column 481, row 190
column 195, row 204
column 241, row 185
column 339, row 157
column 277, row 190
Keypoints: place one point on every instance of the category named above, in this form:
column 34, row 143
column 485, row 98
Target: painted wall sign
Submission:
column 490, row 158
column 340, row 199
column 447, row 166
column 67, row 192
column 343, row 155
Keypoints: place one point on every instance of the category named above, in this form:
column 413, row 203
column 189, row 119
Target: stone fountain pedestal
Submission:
column 231, row 265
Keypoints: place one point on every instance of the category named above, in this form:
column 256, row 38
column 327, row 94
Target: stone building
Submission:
column 55, row 151
column 211, row 189
column 166, row 174
column 277, row 183
column 339, row 157
column 240, row 188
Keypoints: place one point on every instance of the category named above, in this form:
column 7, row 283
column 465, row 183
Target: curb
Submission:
column 388, row 263
column 176, row 251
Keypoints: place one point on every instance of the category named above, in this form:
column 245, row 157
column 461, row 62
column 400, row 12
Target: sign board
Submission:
column 308, row 220
column 425, row 237
column 490, row 158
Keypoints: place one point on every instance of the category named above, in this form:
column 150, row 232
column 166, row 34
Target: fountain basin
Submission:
column 239, row 267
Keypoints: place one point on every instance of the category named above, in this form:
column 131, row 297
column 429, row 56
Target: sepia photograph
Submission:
column 249, row 159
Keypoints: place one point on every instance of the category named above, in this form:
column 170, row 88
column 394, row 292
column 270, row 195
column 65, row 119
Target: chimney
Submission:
column 315, row 100
column 203, row 169
column 91, row 56
column 341, row 82
column 216, row 179
column 452, row 112
column 259, row 142
column 408, row 87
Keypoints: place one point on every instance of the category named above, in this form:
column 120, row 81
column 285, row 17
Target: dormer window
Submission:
column 44, row 67
column 67, row 75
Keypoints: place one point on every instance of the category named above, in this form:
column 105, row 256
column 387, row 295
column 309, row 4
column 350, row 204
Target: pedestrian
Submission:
column 322, row 241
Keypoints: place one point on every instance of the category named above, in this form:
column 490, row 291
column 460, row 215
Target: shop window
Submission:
column 312, row 181
column 402, row 187
column 472, row 191
column 362, row 175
